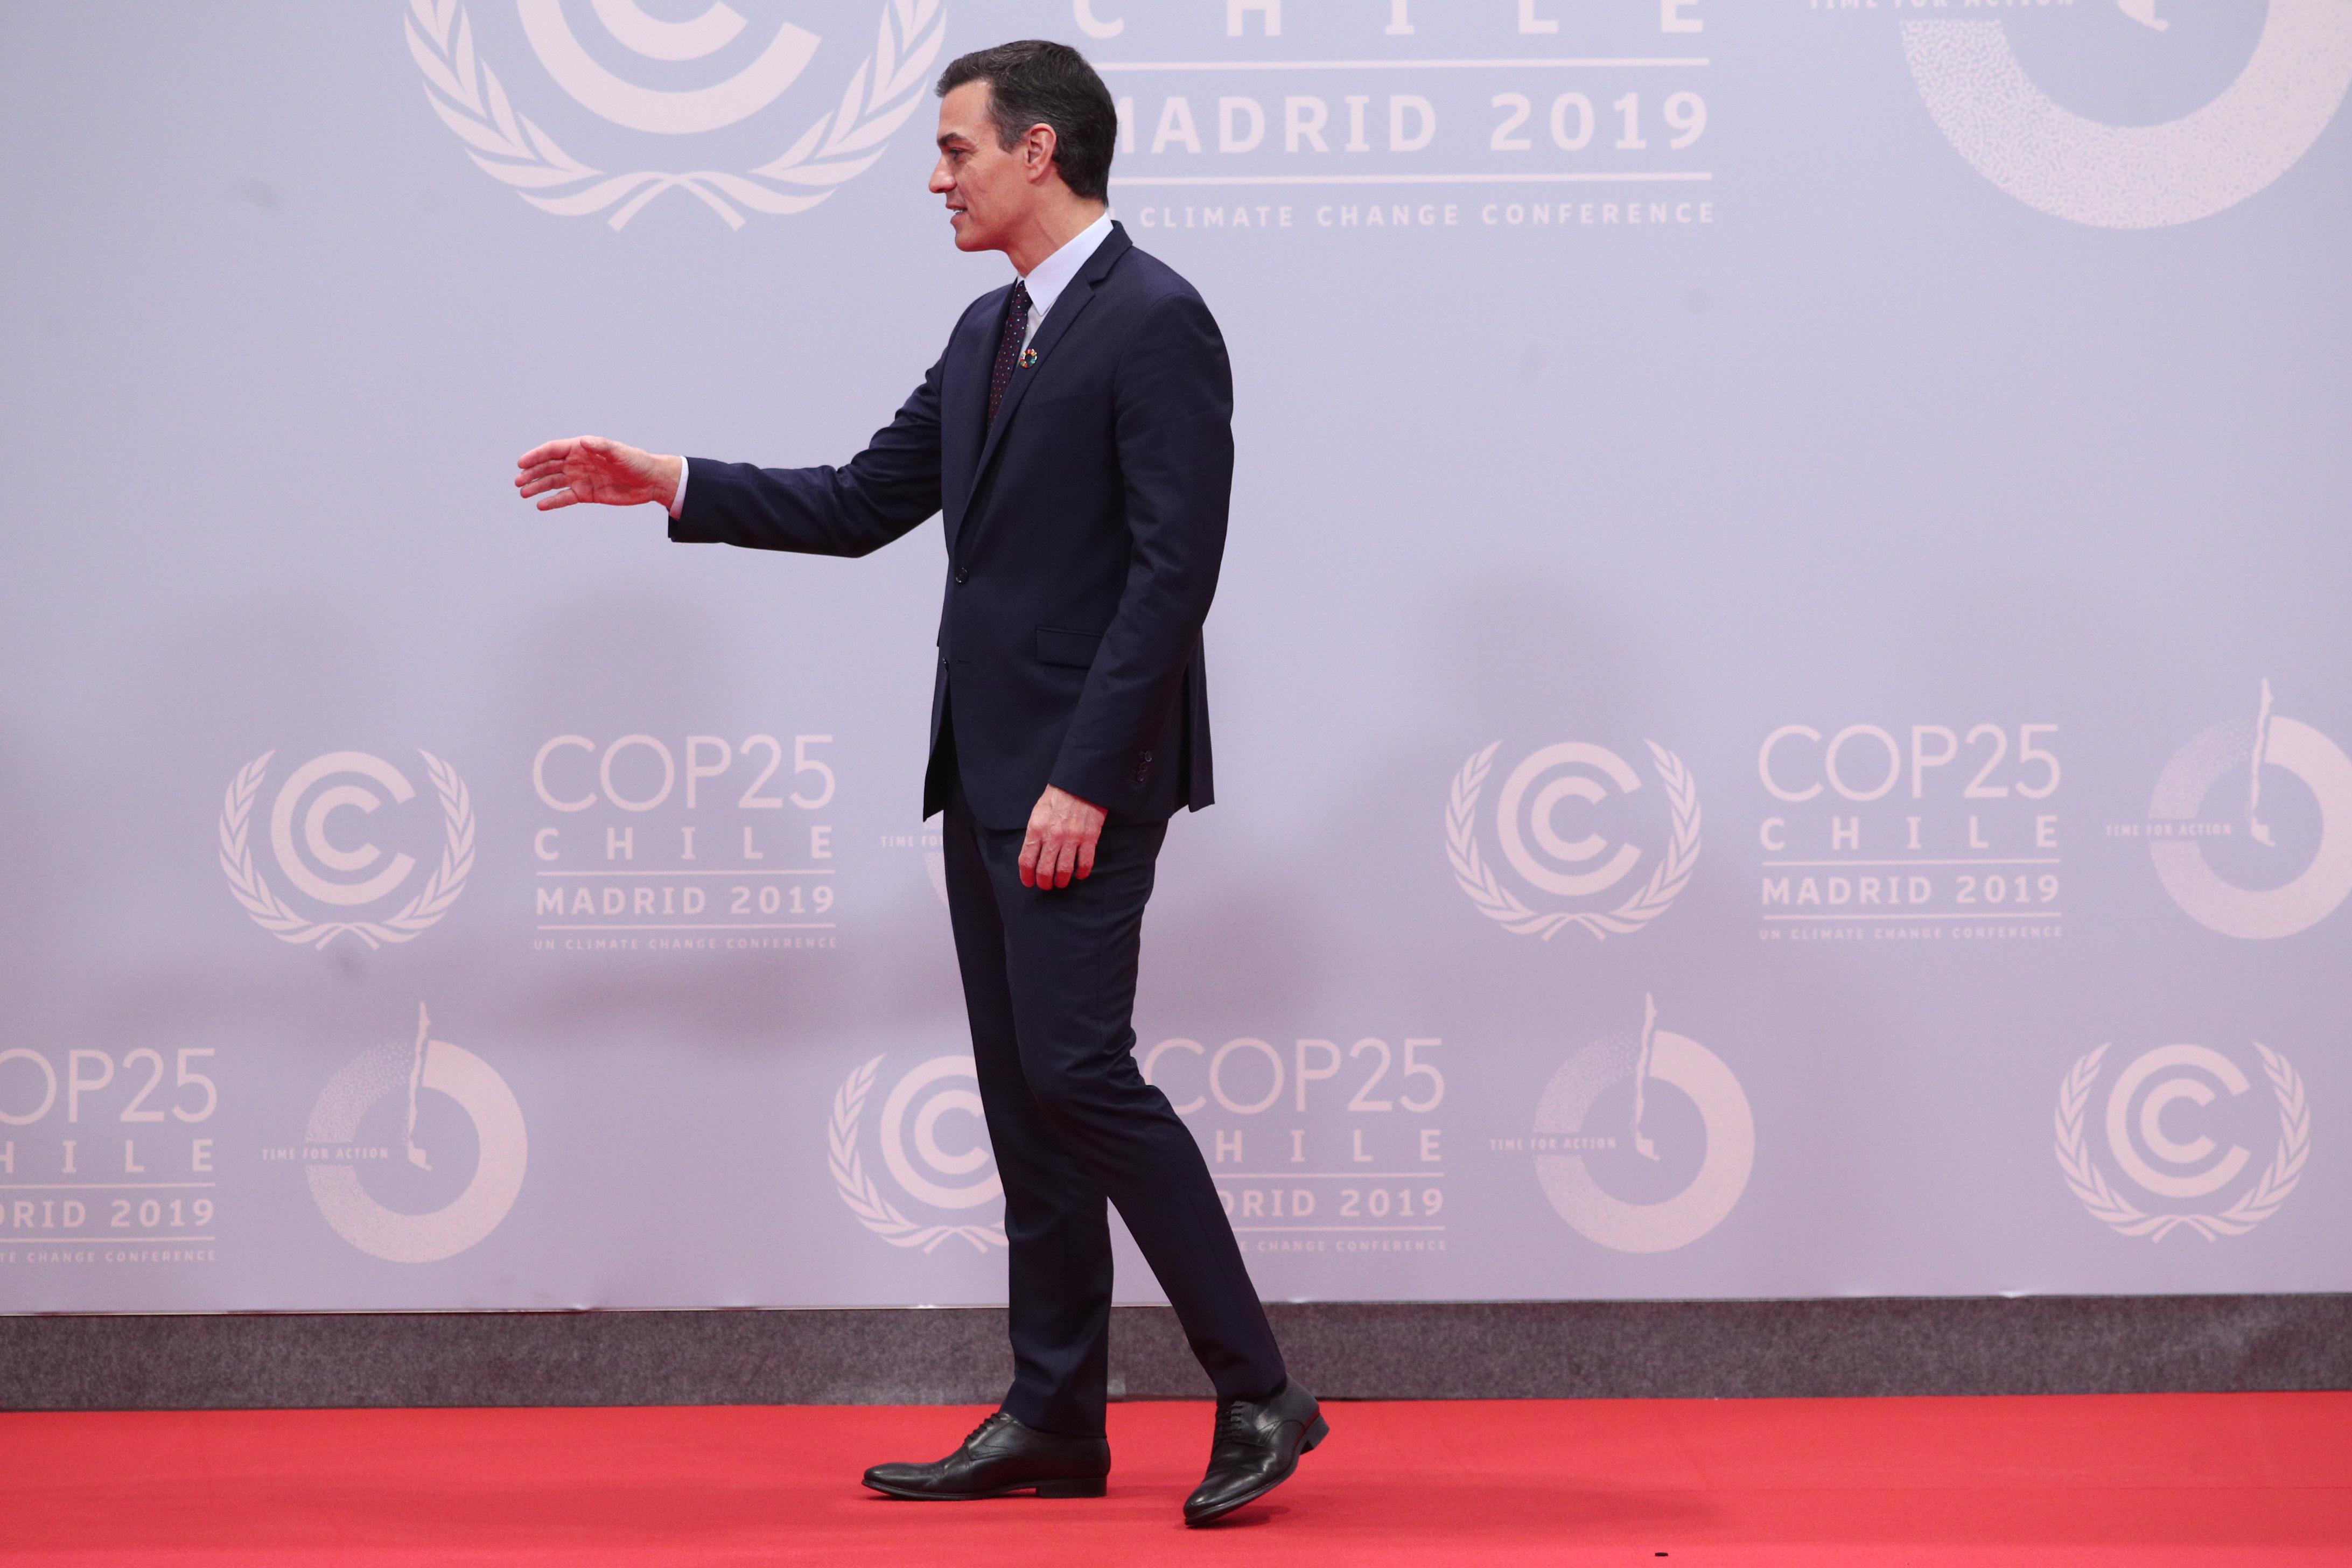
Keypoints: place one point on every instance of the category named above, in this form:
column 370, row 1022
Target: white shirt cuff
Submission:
column 677, row 502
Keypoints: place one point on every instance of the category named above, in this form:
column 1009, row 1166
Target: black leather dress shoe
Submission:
column 1256, row 1448
column 1002, row 1457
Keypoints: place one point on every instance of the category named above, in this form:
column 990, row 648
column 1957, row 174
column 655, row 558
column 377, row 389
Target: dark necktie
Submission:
column 1008, row 347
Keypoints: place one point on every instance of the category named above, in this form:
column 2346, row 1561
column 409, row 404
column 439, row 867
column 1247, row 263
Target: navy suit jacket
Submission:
column 1085, row 528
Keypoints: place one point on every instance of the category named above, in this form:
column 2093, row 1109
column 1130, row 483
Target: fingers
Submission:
column 1048, row 855
column 617, row 458
column 1059, row 847
column 597, row 453
column 1060, row 855
column 587, row 468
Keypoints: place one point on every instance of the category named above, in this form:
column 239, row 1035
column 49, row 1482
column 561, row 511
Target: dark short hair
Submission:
column 1034, row 82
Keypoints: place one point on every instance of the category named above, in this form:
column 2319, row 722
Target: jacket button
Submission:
column 963, row 573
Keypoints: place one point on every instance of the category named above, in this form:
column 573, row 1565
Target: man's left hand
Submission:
column 1060, row 843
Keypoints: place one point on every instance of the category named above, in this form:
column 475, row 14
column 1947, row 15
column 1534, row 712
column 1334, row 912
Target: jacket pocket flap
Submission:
column 1074, row 648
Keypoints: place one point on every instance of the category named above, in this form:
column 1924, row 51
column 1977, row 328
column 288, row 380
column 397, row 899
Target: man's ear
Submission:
column 1037, row 150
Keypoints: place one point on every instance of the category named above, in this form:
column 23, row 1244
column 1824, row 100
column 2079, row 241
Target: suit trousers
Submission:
column 1049, row 982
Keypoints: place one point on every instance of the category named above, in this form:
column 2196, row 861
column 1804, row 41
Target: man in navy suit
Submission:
column 1077, row 438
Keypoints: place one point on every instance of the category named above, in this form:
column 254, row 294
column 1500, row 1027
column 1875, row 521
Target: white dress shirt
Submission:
column 1050, row 276
column 1046, row 280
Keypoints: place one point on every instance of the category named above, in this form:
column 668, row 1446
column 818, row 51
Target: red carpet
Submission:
column 2189, row 1480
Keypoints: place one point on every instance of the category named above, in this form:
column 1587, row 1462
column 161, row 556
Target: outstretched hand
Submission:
column 1060, row 843
column 593, row 468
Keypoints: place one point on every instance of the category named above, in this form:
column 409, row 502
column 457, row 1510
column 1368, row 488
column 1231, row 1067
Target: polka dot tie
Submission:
column 1008, row 347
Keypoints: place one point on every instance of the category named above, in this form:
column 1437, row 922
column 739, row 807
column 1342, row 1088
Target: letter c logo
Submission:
column 672, row 113
column 343, row 895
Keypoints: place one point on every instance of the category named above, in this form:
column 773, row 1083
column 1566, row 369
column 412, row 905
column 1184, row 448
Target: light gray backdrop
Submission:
column 1779, row 677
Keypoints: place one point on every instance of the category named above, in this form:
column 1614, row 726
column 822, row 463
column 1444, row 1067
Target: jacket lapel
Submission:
column 963, row 408
column 1058, row 321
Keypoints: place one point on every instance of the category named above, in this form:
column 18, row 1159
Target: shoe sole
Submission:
column 1316, row 1431
column 1077, row 1487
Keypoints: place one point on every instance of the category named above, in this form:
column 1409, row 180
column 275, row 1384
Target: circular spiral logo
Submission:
column 2136, row 176
column 1645, row 1143
column 934, row 1144
column 2226, row 785
column 428, row 1077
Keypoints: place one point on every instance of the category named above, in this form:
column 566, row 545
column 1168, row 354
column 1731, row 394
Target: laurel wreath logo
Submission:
column 873, row 1211
column 275, row 916
column 509, row 146
column 2089, row 1183
column 1499, row 904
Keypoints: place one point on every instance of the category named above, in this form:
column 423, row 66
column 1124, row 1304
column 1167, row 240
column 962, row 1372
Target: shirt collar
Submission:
column 1050, row 276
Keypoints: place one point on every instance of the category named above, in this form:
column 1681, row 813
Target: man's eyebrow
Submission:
column 948, row 136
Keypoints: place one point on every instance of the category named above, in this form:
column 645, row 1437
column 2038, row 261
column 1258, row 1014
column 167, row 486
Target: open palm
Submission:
column 594, row 469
